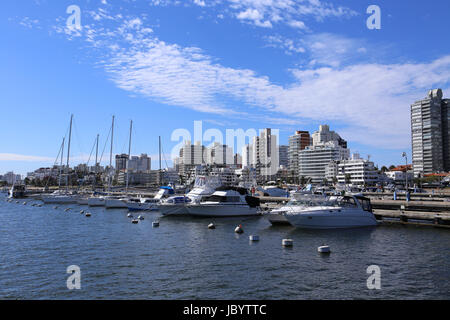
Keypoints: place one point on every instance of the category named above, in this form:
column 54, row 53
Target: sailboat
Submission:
column 57, row 196
column 99, row 201
column 121, row 202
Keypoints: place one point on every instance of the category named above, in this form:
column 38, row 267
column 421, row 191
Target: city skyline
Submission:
column 166, row 65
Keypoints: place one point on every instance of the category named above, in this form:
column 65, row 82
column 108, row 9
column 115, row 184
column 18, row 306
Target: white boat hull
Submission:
column 221, row 210
column 324, row 219
column 59, row 199
column 96, row 202
column 173, row 209
column 82, row 201
column 115, row 204
column 277, row 219
column 135, row 206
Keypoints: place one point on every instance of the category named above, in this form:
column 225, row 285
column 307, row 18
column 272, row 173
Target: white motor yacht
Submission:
column 96, row 201
column 176, row 205
column 60, row 198
column 149, row 204
column 319, row 212
column 226, row 202
column 116, row 203
column 142, row 204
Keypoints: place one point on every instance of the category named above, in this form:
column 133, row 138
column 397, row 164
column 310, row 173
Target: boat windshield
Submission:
column 310, row 200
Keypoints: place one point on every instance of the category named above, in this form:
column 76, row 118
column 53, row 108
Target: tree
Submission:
column 391, row 167
column 348, row 178
column 384, row 169
column 302, row 180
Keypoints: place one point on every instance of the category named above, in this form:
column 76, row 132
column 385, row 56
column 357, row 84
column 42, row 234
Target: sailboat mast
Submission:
column 96, row 164
column 129, row 153
column 111, row 153
column 61, row 163
column 68, row 151
column 160, row 175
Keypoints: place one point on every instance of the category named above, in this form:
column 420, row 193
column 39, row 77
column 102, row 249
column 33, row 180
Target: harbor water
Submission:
column 184, row 259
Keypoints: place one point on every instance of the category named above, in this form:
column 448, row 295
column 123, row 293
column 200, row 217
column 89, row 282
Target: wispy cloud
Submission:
column 24, row 158
column 267, row 13
column 370, row 101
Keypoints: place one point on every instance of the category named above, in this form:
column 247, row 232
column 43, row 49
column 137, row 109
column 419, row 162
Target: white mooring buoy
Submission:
column 211, row 226
column 141, row 218
column 135, row 221
column 254, row 237
column 129, row 215
column 82, row 211
column 239, row 229
column 324, row 249
column 24, row 203
column 88, row 214
column 66, row 209
column 287, row 242
column 155, row 224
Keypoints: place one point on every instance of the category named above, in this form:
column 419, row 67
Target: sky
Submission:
column 250, row 64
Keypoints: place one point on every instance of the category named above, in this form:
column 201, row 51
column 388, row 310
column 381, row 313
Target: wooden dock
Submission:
column 386, row 217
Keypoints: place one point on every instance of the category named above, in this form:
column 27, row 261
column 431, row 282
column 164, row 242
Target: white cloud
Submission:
column 369, row 101
column 25, row 158
column 266, row 13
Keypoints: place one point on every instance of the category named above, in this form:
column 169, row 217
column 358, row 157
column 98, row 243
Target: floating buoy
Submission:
column 155, row 224
column 24, row 203
column 55, row 207
column 287, row 242
column 239, row 229
column 82, row 211
column 211, row 226
column 141, row 218
column 17, row 201
column 88, row 214
column 135, row 221
column 253, row 238
column 129, row 215
column 67, row 209
column 324, row 249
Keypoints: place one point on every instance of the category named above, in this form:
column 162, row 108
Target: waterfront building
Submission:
column 297, row 142
column 238, row 160
column 283, row 156
column 430, row 134
column 358, row 171
column 327, row 146
column 12, row 178
column 191, row 156
column 219, row 154
column 140, row 163
column 247, row 153
column 121, row 162
column 331, row 171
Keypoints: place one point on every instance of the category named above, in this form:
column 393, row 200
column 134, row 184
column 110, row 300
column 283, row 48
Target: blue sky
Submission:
column 284, row 64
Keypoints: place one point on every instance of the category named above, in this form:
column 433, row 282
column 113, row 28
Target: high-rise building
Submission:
column 219, row 154
column 140, row 163
column 121, row 162
column 297, row 142
column 283, row 156
column 314, row 160
column 430, row 134
column 191, row 155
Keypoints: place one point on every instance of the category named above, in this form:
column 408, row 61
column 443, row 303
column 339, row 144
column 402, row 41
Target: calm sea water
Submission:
column 183, row 259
